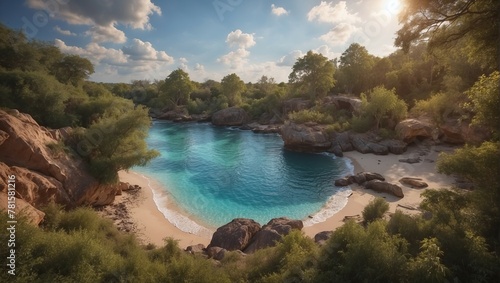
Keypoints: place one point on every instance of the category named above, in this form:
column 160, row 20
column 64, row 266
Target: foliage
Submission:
column 73, row 69
column 355, row 65
column 116, row 141
column 383, row 104
column 375, row 210
column 308, row 115
column 176, row 89
column 232, row 88
column 427, row 266
column 313, row 75
column 361, row 124
column 485, row 101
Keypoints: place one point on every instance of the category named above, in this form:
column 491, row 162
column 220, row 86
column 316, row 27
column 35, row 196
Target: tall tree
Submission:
column 443, row 23
column 232, row 88
column 313, row 75
column 73, row 69
column 355, row 65
column 177, row 88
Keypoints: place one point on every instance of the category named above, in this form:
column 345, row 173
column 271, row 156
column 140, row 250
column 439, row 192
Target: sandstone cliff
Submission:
column 44, row 171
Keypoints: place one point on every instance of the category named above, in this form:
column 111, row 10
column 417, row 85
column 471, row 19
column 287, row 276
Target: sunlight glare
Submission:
column 393, row 6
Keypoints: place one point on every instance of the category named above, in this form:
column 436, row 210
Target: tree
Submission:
column 485, row 101
column 117, row 141
column 177, row 88
column 443, row 23
column 427, row 266
column 382, row 103
column 375, row 210
column 355, row 65
column 73, row 69
column 313, row 74
column 232, row 88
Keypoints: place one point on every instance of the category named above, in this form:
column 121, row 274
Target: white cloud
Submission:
column 183, row 64
column 102, row 16
column 106, row 34
column 290, row 58
column 199, row 68
column 326, row 51
column 235, row 59
column 329, row 13
column 140, row 50
column 240, row 39
column 278, row 11
column 64, row 32
column 339, row 34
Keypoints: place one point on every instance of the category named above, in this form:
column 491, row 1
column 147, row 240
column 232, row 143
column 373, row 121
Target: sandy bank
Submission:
column 393, row 170
column 152, row 226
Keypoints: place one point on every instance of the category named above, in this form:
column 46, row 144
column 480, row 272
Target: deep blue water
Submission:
column 215, row 174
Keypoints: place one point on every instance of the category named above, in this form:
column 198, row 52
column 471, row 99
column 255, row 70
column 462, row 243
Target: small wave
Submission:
column 336, row 202
column 175, row 218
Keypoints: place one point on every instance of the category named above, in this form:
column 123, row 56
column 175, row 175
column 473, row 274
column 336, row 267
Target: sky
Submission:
column 143, row 39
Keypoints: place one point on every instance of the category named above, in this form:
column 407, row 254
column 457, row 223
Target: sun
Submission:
column 393, row 6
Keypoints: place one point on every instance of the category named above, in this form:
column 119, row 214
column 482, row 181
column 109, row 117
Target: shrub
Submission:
column 361, row 124
column 375, row 210
column 308, row 115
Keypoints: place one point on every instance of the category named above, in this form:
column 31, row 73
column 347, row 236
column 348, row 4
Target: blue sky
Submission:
column 148, row 39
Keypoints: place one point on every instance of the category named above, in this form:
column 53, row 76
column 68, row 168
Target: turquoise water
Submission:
column 214, row 174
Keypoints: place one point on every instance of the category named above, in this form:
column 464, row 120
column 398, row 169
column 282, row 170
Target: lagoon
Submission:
column 215, row 174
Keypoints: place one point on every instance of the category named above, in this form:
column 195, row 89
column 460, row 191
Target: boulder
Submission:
column 216, row 253
column 460, row 132
column 322, row 237
column 22, row 209
column 235, row 235
column 378, row 149
column 195, row 249
column 343, row 182
column 272, row 232
column 44, row 175
column 3, row 137
column 232, row 116
column 410, row 160
column 372, row 176
column 384, row 187
column 296, row 104
column 410, row 130
column 304, row 138
column 395, row 146
column 336, row 149
column 350, row 104
column 178, row 114
column 413, row 182
column 360, row 144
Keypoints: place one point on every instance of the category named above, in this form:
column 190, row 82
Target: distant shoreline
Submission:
column 152, row 226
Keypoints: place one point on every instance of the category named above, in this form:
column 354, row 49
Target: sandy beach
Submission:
column 153, row 227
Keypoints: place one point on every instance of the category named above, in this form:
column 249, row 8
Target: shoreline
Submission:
column 152, row 225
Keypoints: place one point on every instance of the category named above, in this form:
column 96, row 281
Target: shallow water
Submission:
column 215, row 174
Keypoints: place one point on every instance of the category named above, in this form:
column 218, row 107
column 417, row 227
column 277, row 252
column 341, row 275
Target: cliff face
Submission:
column 43, row 172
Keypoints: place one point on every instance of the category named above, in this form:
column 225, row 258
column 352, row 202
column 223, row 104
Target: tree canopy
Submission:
column 313, row 75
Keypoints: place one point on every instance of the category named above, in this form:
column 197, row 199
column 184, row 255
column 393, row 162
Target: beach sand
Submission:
column 153, row 227
column 151, row 224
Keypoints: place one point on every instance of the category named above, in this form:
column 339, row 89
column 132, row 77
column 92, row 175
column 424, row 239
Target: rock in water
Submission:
column 384, row 187
column 235, row 235
column 232, row 116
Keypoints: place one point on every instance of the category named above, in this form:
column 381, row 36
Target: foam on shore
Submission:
column 179, row 220
column 336, row 202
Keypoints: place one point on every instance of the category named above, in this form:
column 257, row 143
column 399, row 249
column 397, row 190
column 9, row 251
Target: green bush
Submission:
column 361, row 124
column 309, row 115
column 375, row 210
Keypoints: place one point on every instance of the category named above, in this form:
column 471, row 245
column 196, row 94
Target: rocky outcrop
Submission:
column 22, row 209
column 410, row 130
column 304, row 138
column 350, row 104
column 394, row 146
column 458, row 132
column 235, row 235
column 44, row 174
column 232, row 116
column 384, row 187
column 413, row 182
column 359, row 179
column 272, row 232
column 322, row 237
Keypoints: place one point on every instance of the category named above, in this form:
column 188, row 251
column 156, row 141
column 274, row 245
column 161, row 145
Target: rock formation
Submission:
column 304, row 138
column 410, row 130
column 232, row 116
column 44, row 173
column 384, row 187
column 272, row 232
column 235, row 235
column 413, row 182
column 23, row 209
